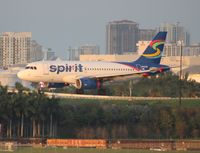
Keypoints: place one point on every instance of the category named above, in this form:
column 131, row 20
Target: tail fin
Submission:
column 153, row 52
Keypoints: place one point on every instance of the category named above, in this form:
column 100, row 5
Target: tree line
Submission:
column 30, row 114
column 33, row 115
column 27, row 114
column 129, row 120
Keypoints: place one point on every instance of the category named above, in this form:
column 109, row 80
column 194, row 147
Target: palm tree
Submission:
column 51, row 110
column 21, row 111
column 3, row 115
column 8, row 113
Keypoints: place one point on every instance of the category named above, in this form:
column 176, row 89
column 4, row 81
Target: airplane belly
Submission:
column 44, row 78
column 69, row 79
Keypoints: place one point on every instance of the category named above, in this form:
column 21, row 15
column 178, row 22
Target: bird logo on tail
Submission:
column 156, row 52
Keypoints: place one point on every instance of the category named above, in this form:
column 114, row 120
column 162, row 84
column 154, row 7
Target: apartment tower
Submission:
column 15, row 48
column 175, row 33
column 121, row 37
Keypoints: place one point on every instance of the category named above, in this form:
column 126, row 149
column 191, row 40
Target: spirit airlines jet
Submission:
column 91, row 75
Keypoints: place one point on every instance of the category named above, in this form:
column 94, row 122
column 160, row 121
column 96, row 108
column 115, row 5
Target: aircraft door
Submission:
column 85, row 70
column 46, row 69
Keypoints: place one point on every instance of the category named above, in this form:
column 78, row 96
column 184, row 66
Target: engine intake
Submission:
column 86, row 83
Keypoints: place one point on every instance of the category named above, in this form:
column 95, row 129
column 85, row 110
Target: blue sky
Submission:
column 58, row 24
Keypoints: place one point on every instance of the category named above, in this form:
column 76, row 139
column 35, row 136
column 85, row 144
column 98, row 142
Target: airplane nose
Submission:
column 20, row 74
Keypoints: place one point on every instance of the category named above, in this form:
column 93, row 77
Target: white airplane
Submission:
column 91, row 75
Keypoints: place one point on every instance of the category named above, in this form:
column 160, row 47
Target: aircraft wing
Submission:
column 107, row 77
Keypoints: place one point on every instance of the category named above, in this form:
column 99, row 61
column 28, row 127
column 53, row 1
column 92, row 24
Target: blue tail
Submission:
column 153, row 53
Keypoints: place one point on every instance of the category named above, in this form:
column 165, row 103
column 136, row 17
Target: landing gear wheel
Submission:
column 40, row 91
column 101, row 91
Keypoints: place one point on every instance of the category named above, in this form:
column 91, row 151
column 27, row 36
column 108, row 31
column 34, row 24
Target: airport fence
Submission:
column 150, row 144
column 84, row 143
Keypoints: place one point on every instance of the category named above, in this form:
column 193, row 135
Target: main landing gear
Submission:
column 79, row 91
column 101, row 91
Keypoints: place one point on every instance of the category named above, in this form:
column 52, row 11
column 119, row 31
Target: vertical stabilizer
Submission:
column 153, row 52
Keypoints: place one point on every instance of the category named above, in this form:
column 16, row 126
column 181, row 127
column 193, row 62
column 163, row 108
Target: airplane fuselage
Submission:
column 67, row 71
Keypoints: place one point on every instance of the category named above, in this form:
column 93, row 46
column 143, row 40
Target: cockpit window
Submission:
column 31, row 67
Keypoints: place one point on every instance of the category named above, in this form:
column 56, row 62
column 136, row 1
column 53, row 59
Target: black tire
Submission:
column 101, row 91
column 79, row 91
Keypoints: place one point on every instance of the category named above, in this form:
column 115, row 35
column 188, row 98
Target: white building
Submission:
column 36, row 53
column 175, row 33
column 49, row 54
column 89, row 49
column 73, row 54
column 174, row 49
column 192, row 50
column 15, row 48
column 141, row 46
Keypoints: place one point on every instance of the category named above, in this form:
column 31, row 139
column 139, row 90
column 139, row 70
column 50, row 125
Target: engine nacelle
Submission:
column 87, row 83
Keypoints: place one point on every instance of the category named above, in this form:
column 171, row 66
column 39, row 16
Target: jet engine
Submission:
column 87, row 83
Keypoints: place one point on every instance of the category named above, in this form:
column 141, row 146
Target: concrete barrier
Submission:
column 126, row 98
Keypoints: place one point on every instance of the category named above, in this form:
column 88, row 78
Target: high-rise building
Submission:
column 73, row 54
column 49, row 54
column 175, row 33
column 121, row 37
column 36, row 53
column 15, row 48
column 146, row 34
column 89, row 49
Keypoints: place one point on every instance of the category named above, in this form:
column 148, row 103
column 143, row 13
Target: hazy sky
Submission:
column 58, row 24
